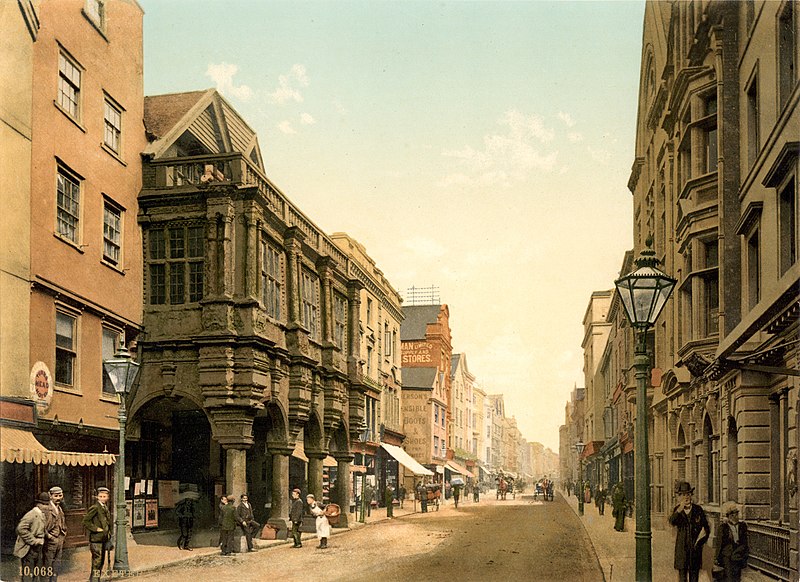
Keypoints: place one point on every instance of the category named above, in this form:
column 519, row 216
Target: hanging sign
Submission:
column 41, row 386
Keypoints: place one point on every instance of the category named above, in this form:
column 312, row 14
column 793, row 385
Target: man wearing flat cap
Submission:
column 97, row 522
column 30, row 539
column 55, row 534
column 693, row 533
column 296, row 517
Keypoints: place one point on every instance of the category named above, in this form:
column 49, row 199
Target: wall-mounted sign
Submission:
column 417, row 353
column 41, row 386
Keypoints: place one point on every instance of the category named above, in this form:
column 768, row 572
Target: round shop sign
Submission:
column 41, row 386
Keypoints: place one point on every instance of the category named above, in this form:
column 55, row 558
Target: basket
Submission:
column 332, row 512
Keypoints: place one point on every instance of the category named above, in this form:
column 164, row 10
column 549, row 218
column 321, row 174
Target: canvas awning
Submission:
column 329, row 462
column 21, row 446
column 456, row 468
column 299, row 451
column 406, row 460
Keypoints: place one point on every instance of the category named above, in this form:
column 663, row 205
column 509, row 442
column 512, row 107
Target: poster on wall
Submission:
column 138, row 513
column 129, row 511
column 151, row 517
column 167, row 493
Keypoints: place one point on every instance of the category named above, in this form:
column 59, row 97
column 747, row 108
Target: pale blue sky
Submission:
column 483, row 147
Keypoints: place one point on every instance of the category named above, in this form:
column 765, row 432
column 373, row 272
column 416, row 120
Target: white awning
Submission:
column 406, row 460
column 21, row 446
column 456, row 468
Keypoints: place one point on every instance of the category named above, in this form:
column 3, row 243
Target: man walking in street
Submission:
column 184, row 511
column 422, row 493
column 246, row 519
column 296, row 517
column 693, row 533
column 30, row 539
column 369, row 495
column 228, row 525
column 97, row 522
column 456, row 494
column 619, row 506
column 388, row 498
column 401, row 494
column 56, row 533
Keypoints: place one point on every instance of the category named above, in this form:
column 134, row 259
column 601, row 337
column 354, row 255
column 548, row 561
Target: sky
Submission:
column 481, row 147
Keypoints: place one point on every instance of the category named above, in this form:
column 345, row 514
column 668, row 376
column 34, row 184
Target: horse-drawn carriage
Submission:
column 505, row 485
column 433, row 492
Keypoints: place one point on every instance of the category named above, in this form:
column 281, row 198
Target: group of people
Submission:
column 232, row 517
column 40, row 537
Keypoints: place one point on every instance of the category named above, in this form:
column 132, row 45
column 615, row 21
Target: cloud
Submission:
column 566, row 118
column 508, row 156
column 222, row 75
column 599, row 155
column 289, row 86
column 575, row 136
column 286, row 127
column 306, row 119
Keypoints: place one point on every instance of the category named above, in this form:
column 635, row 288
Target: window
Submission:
column 96, row 11
column 752, row 121
column 113, row 126
column 753, row 268
column 65, row 349
column 787, row 49
column 369, row 360
column 387, row 340
column 436, row 446
column 311, row 305
column 68, row 204
column 176, row 266
column 271, row 279
column 110, row 343
column 69, row 85
column 710, row 134
column 339, row 320
column 369, row 312
column 787, row 218
column 112, row 232
column 436, row 414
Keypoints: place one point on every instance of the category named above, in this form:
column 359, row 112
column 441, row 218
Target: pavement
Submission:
column 616, row 551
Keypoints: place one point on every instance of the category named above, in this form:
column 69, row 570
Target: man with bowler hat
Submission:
column 296, row 517
column 693, row 533
column 97, row 522
column 55, row 534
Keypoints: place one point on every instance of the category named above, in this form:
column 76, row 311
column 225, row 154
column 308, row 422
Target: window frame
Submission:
column 309, row 297
column 112, row 104
column 271, row 279
column 339, row 320
column 74, row 212
column 105, row 380
column 786, row 81
column 66, row 79
column 70, row 351
column 111, row 206
column 176, row 266
column 787, row 230
column 752, row 92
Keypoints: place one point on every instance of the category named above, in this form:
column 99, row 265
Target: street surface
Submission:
column 492, row 540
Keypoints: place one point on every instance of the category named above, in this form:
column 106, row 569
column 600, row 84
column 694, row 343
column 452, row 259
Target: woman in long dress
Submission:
column 322, row 525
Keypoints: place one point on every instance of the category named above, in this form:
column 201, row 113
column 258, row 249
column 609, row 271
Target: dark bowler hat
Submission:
column 43, row 497
column 684, row 487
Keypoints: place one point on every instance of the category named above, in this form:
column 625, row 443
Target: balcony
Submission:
column 193, row 173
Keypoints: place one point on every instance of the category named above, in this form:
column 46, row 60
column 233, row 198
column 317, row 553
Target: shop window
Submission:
column 66, row 349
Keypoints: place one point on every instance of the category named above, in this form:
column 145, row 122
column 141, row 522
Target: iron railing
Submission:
column 769, row 549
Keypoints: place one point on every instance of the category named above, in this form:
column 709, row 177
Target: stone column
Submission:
column 325, row 264
column 293, row 244
column 354, row 287
column 279, row 516
column 235, row 471
column 343, row 487
column 315, row 474
column 251, row 271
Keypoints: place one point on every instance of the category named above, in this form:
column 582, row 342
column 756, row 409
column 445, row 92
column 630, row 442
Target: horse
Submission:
column 502, row 488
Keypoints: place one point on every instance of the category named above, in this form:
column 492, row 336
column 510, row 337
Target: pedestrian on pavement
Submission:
column 693, row 532
column 223, row 501
column 228, row 525
column 456, row 494
column 401, row 493
column 388, row 499
column 733, row 549
column 296, row 517
column 30, row 539
column 246, row 520
column 422, row 493
column 97, row 522
column 587, row 493
column 184, row 511
column 476, row 493
column 600, row 499
column 448, row 490
column 55, row 534
column 619, row 506
column 322, row 525
column 369, row 495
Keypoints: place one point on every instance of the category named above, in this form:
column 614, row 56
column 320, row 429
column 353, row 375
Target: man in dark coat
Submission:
column 619, row 506
column 693, row 533
column 296, row 517
column 97, row 522
column 246, row 520
column 422, row 494
column 184, row 511
column 388, row 499
column 733, row 549
column 30, row 539
column 56, row 532
column 228, row 525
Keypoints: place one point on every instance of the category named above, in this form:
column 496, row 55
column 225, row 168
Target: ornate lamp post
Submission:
column 644, row 294
column 121, row 369
column 579, row 447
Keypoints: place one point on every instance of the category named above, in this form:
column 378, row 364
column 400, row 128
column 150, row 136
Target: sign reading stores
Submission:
column 417, row 353
column 41, row 386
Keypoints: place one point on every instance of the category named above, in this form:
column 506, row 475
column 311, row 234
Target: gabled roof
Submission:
column 204, row 119
column 417, row 318
column 418, row 378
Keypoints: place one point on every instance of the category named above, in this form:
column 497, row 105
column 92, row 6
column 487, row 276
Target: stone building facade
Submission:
column 714, row 183
column 252, row 321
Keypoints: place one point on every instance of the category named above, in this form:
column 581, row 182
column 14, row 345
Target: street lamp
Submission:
column 121, row 369
column 644, row 294
column 579, row 446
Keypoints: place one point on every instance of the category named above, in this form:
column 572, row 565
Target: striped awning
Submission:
column 20, row 446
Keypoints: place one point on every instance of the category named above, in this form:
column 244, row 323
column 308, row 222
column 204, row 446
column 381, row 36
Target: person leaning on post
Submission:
column 246, row 520
column 55, row 533
column 97, row 522
column 30, row 539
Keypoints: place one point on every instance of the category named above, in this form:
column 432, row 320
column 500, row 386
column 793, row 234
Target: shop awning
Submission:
column 456, row 468
column 329, row 462
column 20, row 446
column 406, row 460
column 299, row 451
